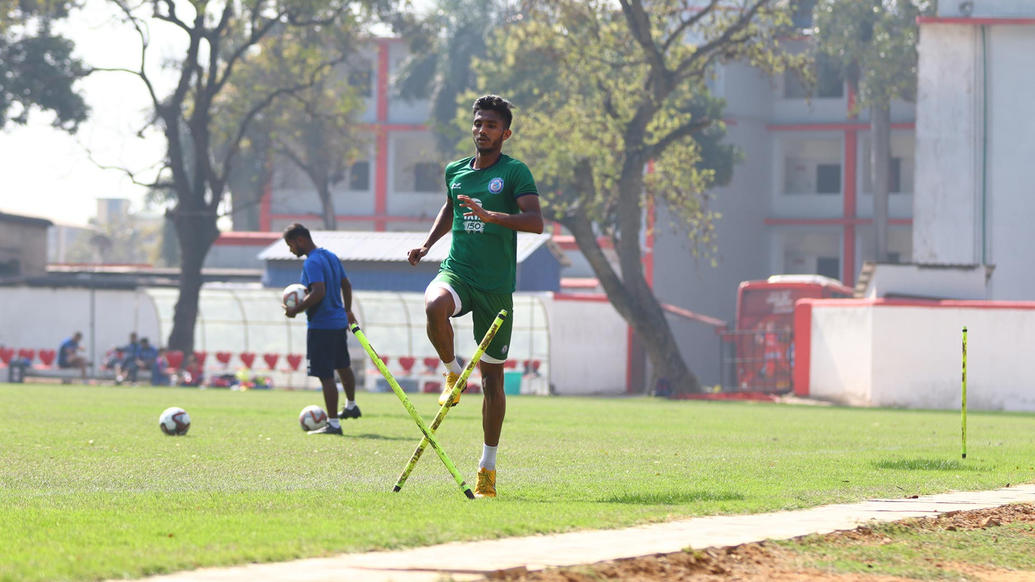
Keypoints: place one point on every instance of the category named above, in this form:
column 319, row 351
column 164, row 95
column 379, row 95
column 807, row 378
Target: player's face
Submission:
column 488, row 131
column 294, row 246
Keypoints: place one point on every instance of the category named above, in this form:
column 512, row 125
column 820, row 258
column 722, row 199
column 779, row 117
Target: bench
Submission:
column 18, row 373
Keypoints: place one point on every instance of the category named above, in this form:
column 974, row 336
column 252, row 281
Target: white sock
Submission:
column 334, row 422
column 350, row 404
column 488, row 458
column 454, row 366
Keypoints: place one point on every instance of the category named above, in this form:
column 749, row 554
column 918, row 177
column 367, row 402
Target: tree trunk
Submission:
column 630, row 295
column 880, row 173
column 245, row 199
column 196, row 232
column 330, row 220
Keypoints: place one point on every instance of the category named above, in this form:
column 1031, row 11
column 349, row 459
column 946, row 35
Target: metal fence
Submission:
column 757, row 361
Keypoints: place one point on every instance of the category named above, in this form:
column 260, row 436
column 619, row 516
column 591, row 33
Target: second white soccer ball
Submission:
column 294, row 294
column 174, row 421
column 312, row 417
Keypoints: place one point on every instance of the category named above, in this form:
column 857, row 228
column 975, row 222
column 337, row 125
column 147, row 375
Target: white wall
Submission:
column 945, row 227
column 837, row 333
column 975, row 139
column 588, row 346
column 1011, row 149
column 41, row 318
column 927, row 281
column 987, row 8
column 908, row 354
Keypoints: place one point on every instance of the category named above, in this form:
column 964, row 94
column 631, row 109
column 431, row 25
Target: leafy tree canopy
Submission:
column 38, row 70
column 874, row 44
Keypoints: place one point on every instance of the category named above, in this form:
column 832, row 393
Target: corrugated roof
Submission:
column 388, row 246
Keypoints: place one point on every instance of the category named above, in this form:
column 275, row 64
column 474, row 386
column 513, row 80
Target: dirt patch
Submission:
column 767, row 561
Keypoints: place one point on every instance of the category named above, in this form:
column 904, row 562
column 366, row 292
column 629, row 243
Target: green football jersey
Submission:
column 485, row 255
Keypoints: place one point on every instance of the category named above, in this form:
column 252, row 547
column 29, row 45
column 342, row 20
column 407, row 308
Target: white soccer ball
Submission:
column 174, row 421
column 312, row 417
column 294, row 294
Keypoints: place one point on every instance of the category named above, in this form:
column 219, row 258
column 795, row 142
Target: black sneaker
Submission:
column 327, row 429
column 353, row 413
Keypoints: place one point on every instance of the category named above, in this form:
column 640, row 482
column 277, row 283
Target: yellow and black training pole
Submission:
column 458, row 387
column 428, row 435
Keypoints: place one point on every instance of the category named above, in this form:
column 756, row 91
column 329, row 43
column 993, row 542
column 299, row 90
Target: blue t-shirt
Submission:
column 323, row 266
column 69, row 347
column 148, row 354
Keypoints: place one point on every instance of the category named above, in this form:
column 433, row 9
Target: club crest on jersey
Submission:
column 496, row 185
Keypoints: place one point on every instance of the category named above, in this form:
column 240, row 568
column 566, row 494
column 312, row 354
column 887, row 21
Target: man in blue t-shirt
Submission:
column 127, row 367
column 68, row 354
column 328, row 307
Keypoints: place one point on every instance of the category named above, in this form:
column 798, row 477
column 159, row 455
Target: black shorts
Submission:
column 326, row 350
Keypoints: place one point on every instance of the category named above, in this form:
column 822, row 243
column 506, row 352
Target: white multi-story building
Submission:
column 976, row 142
column 397, row 186
column 799, row 202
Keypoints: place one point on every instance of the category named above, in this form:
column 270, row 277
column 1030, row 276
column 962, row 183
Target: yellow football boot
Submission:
column 486, row 484
column 451, row 379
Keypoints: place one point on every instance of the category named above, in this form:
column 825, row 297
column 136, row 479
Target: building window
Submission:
column 829, row 267
column 801, row 17
column 811, row 165
column 828, row 178
column 361, row 78
column 812, row 252
column 359, row 176
column 427, row 177
column 829, row 84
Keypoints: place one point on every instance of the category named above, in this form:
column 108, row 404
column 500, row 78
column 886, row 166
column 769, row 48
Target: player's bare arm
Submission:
column 529, row 219
column 346, row 299
column 316, row 292
column 443, row 223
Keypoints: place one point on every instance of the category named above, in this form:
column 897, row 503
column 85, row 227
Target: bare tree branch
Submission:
column 684, row 25
column 686, row 130
column 144, row 44
column 721, row 42
column 639, row 26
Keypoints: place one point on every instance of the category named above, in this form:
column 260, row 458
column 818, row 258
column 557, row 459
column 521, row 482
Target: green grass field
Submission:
column 91, row 489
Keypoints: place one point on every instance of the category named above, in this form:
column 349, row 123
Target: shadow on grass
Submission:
column 381, row 437
column 670, row 497
column 927, row 465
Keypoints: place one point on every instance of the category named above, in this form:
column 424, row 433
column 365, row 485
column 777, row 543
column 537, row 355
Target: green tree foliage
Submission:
column 603, row 88
column 873, row 42
column 220, row 38
column 38, row 70
column 313, row 128
column 443, row 48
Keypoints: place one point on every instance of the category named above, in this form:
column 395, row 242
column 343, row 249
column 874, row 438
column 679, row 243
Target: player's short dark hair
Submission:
column 296, row 230
column 497, row 104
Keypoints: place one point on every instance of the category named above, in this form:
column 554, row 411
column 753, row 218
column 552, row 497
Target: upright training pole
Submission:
column 458, row 387
column 963, row 399
column 410, row 409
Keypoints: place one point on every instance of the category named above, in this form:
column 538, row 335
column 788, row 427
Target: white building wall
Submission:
column 588, row 347
column 1011, row 151
column 909, row 354
column 582, row 344
column 106, row 318
column 945, row 218
column 835, row 332
column 986, row 8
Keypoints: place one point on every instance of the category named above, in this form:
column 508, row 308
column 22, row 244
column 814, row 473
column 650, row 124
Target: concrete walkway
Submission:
column 475, row 560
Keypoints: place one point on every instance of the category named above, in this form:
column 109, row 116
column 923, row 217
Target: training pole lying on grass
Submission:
column 963, row 399
column 458, row 387
column 410, row 409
